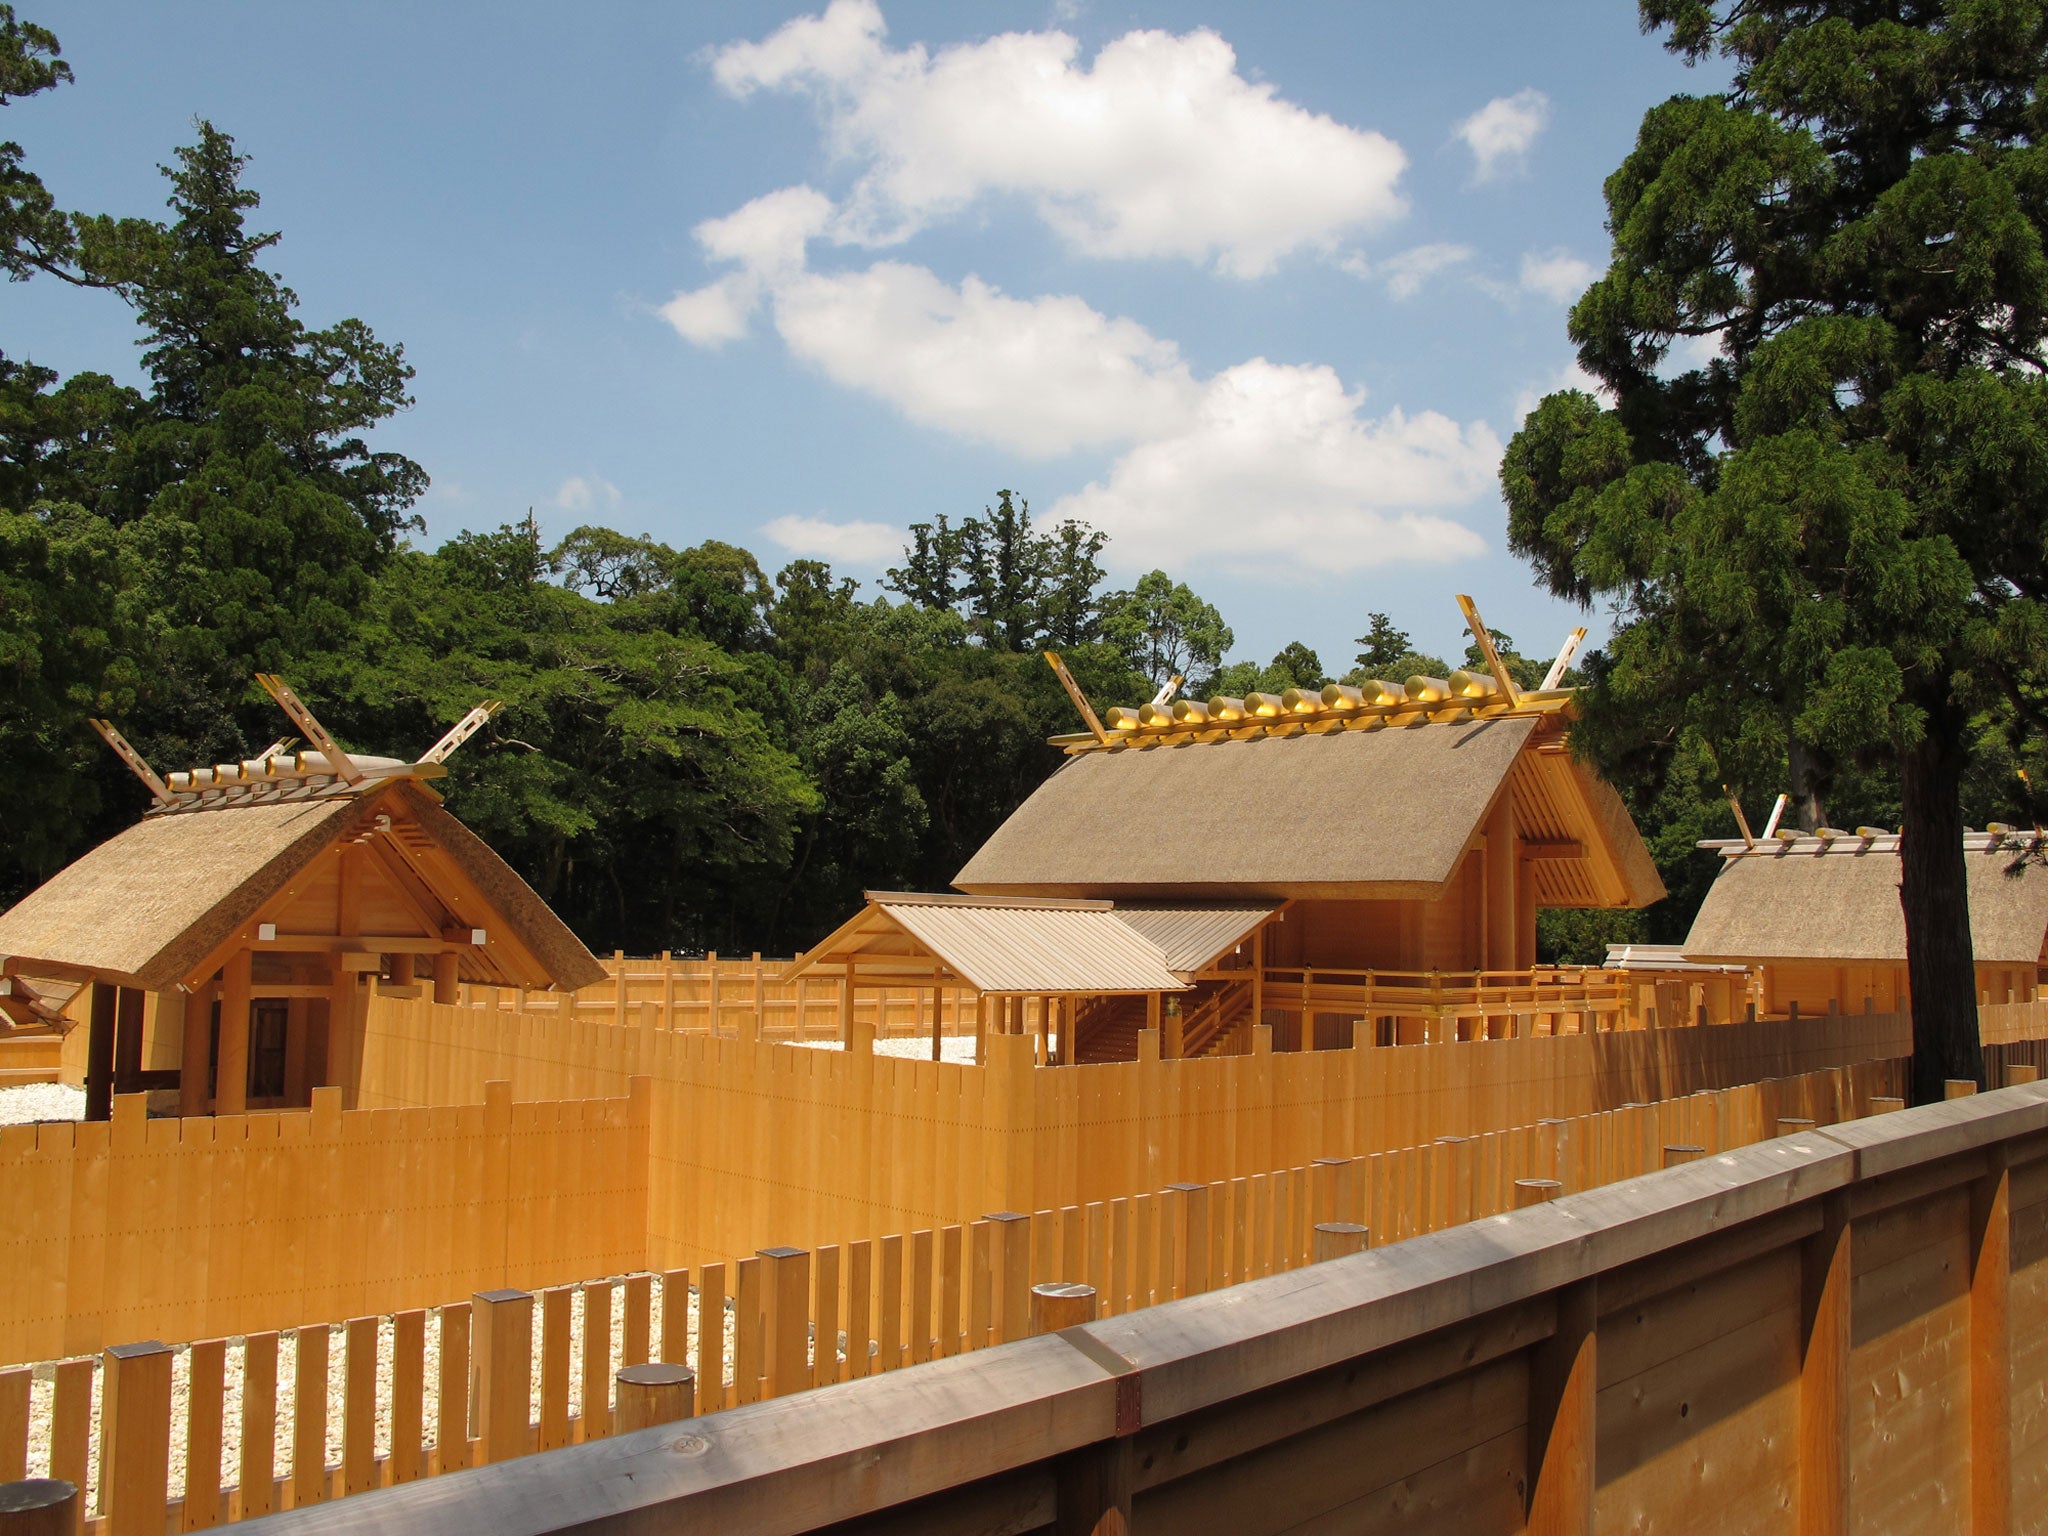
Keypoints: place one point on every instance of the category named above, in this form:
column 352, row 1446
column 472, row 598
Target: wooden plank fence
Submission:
column 379, row 1401
column 1837, row 1331
column 177, row 1228
column 752, row 1140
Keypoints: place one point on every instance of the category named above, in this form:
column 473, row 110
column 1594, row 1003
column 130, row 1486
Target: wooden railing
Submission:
column 305, row 1421
column 1843, row 1329
column 1223, row 1011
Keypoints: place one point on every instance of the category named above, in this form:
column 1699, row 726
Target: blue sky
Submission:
column 1260, row 290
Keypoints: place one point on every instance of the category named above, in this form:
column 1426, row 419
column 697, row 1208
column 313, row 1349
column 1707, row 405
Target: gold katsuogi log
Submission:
column 1377, row 692
column 1224, row 710
column 1120, row 717
column 1264, row 706
column 1302, row 701
column 1423, row 689
column 1472, row 685
column 1342, row 696
column 1154, row 716
column 1190, row 712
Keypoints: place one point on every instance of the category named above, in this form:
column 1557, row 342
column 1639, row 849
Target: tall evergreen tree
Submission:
column 1822, row 517
column 257, row 506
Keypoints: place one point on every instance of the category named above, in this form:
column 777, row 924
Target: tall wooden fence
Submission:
column 139, row 1228
column 381, row 1401
column 1837, row 1331
column 754, row 1141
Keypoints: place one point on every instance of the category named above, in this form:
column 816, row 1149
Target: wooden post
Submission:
column 447, row 977
column 257, row 1479
column 1335, row 1239
column 231, row 1078
column 195, row 1060
column 99, row 1054
column 1675, row 1155
column 788, row 1309
column 1536, row 1191
column 205, row 1398
column 655, row 1394
column 309, row 1415
column 1192, row 1201
column 451, row 1423
column 1958, row 1087
column 127, row 1040
column 1884, row 1104
column 501, row 1326
column 1563, row 1379
column 39, row 1506
column 135, row 1436
column 1011, row 1272
column 2019, row 1072
column 1792, row 1125
column 938, row 1025
column 1154, row 1015
column 1991, row 1511
column 1824, row 1384
column 1061, row 1304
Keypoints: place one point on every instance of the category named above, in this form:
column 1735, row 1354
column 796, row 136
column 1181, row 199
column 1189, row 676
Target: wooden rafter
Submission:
column 1484, row 640
column 134, row 760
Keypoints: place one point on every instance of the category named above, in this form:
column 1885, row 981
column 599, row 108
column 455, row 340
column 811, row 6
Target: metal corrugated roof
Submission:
column 1191, row 936
column 1037, row 949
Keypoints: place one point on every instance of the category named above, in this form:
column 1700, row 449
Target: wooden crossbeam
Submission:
column 1565, row 653
column 1080, row 699
column 309, row 724
column 1484, row 641
column 461, row 731
column 134, row 760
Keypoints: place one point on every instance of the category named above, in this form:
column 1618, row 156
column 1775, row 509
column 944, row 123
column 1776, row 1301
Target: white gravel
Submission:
column 956, row 1048
column 41, row 1101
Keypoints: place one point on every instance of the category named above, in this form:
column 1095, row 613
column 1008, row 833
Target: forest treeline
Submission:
column 694, row 752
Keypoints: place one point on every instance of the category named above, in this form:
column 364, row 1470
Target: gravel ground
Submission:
column 41, row 1101
column 43, row 1388
column 959, row 1048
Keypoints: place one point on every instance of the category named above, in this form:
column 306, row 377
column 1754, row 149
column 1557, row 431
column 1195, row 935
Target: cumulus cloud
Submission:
column 1279, row 465
column 1041, row 376
column 1159, row 147
column 768, row 238
column 586, row 493
column 1500, row 133
column 1556, row 275
column 852, row 543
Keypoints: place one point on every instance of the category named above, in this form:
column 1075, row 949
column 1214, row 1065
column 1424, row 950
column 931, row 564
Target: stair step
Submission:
column 22, row 1077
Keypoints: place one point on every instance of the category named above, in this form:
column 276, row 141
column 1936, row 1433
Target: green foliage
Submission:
column 1822, row 528
column 1295, row 667
column 1163, row 629
column 1020, row 590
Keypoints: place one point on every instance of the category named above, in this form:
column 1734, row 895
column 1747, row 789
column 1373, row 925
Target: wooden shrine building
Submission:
column 1375, row 852
column 231, row 938
column 1818, row 914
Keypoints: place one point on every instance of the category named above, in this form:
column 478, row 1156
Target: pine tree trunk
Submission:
column 1933, row 890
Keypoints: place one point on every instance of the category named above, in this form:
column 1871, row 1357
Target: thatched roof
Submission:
column 1842, row 904
column 148, row 905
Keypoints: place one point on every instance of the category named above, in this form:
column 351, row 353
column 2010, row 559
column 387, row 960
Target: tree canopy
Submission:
column 1812, row 480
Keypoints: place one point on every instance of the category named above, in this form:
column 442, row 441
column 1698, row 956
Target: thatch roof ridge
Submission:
column 1844, row 906
column 1271, row 817
column 148, row 905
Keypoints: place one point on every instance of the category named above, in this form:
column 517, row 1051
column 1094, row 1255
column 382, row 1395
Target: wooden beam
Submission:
column 309, row 725
column 1564, row 1380
column 1824, row 1382
column 134, row 759
column 461, row 731
column 99, row 1053
column 1565, row 653
column 1080, row 699
column 1991, row 1394
column 231, row 1076
column 1484, row 641
column 127, row 1039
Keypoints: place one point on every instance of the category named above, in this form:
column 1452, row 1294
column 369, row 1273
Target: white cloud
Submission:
column 855, row 543
column 1041, row 376
column 1500, row 133
column 1158, row 148
column 1557, row 275
column 586, row 493
column 1407, row 271
column 1279, row 468
column 769, row 238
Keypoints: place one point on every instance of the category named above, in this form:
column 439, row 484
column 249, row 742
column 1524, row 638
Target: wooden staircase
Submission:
column 1213, row 1019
